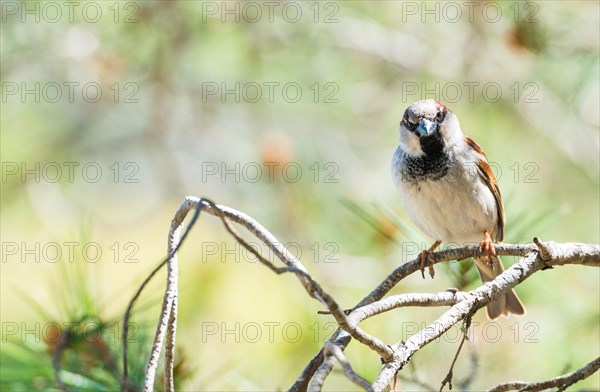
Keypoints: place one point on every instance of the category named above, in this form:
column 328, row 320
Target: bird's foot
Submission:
column 426, row 257
column 486, row 247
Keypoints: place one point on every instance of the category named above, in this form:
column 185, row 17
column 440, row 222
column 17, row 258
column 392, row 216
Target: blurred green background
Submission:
column 113, row 112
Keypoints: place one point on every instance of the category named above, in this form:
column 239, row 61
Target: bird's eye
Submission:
column 410, row 120
column 440, row 116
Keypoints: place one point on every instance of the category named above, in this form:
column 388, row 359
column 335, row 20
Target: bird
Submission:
column 450, row 193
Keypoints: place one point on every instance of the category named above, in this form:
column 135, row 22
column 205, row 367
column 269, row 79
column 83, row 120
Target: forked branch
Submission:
column 463, row 305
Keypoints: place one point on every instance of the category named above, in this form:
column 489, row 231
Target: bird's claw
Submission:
column 426, row 258
column 486, row 247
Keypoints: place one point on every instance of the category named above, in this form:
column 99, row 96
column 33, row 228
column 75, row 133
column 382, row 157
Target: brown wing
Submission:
column 488, row 175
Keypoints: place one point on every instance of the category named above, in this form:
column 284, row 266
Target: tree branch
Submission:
column 463, row 305
column 570, row 253
column 168, row 316
column 174, row 243
column 562, row 382
column 342, row 339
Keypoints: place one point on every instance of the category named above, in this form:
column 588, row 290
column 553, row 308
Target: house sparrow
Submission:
column 449, row 191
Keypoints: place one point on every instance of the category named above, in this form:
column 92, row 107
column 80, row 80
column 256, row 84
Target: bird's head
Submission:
column 427, row 127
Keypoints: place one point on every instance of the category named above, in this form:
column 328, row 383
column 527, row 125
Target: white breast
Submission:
column 457, row 208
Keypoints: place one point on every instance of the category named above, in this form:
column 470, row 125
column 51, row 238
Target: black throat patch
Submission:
column 434, row 165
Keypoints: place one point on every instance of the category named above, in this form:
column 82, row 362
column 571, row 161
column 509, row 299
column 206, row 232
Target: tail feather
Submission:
column 505, row 304
column 514, row 304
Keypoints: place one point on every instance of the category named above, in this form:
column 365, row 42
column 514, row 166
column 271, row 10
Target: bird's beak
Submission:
column 426, row 127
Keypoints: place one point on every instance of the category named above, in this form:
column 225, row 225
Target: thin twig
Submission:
column 465, row 383
column 562, row 382
column 127, row 316
column 316, row 384
column 168, row 315
column 445, row 298
column 170, row 347
column 448, row 378
column 414, row 379
column 348, row 371
column 314, row 290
